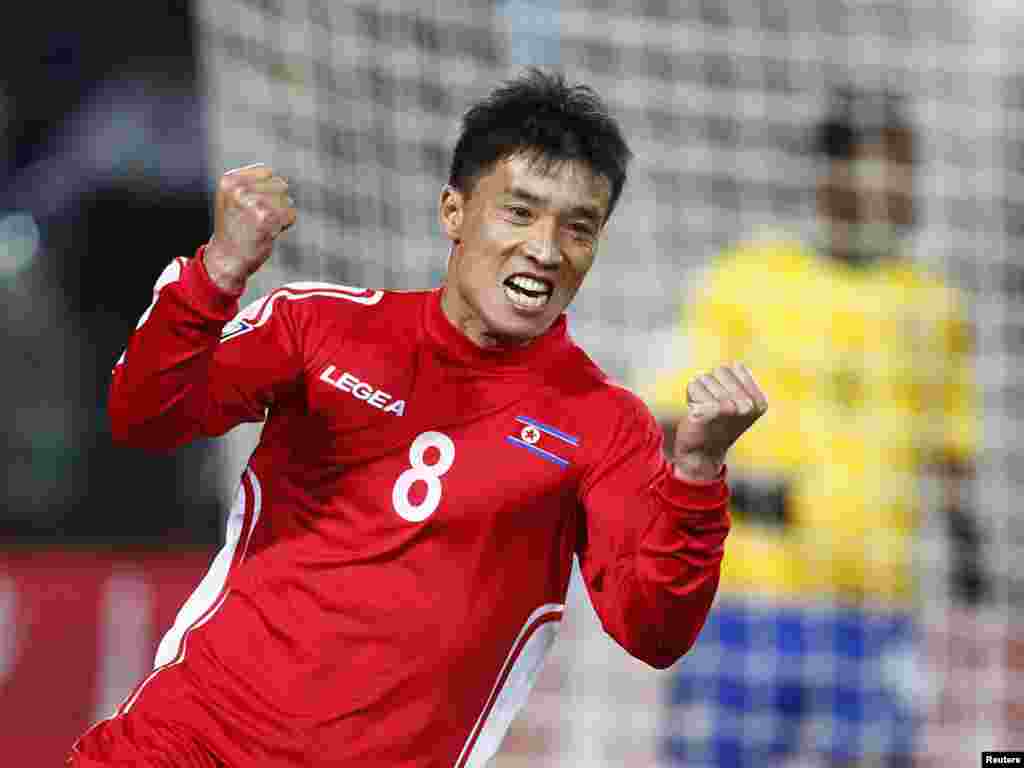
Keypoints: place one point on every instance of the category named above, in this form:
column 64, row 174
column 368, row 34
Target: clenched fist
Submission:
column 251, row 209
column 723, row 404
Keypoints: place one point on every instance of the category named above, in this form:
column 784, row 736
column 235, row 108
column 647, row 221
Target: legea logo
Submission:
column 361, row 390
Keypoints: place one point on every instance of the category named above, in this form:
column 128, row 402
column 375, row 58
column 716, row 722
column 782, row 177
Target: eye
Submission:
column 518, row 211
column 583, row 230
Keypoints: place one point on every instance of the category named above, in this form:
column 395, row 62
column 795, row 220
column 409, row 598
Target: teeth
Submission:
column 522, row 300
column 529, row 284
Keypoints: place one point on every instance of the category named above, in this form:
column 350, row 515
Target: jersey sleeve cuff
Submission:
column 204, row 291
column 710, row 495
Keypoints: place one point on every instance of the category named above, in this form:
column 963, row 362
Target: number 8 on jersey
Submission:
column 428, row 473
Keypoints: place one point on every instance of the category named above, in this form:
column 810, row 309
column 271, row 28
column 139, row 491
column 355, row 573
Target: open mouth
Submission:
column 527, row 292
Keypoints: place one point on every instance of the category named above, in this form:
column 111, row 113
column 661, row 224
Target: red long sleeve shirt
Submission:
column 397, row 560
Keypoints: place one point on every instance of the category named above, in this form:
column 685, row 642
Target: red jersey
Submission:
column 398, row 556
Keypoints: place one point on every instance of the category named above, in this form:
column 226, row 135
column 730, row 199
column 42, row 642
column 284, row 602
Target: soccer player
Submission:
column 398, row 556
column 810, row 652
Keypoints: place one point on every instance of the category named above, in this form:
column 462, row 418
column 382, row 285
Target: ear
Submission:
column 452, row 210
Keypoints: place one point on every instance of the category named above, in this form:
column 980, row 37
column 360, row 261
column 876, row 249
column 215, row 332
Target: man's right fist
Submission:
column 251, row 209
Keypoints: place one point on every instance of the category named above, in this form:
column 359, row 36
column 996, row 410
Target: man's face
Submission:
column 886, row 180
column 523, row 240
column 868, row 201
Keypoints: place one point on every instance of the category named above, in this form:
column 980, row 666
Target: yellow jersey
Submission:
column 869, row 376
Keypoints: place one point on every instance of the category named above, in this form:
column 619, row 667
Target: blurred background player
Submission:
column 810, row 648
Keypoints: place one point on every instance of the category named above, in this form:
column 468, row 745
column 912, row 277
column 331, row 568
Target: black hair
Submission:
column 856, row 117
column 538, row 113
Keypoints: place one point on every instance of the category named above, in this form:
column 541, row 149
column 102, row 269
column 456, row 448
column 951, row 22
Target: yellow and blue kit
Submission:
column 869, row 376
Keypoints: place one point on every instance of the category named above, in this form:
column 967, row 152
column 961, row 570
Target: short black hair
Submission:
column 856, row 117
column 538, row 113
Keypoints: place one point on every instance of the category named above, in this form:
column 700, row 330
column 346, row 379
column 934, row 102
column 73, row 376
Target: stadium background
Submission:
column 115, row 126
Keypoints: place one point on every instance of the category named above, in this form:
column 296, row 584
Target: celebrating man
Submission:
column 399, row 553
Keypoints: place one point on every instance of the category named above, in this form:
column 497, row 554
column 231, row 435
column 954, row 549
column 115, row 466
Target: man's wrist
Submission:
column 226, row 280
column 697, row 467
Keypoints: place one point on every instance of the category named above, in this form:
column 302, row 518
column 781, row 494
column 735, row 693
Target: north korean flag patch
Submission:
column 543, row 440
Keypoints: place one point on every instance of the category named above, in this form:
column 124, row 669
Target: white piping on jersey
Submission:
column 171, row 274
column 212, row 587
column 262, row 309
column 209, row 596
column 512, row 687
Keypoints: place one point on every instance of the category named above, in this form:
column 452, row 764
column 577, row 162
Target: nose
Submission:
column 544, row 250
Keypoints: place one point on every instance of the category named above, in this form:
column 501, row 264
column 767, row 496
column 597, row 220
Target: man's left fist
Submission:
column 721, row 405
